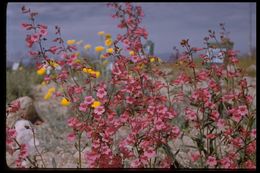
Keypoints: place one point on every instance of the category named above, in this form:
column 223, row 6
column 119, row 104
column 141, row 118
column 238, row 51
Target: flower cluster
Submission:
column 140, row 97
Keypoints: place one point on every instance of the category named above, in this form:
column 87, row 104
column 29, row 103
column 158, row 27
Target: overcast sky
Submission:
column 167, row 23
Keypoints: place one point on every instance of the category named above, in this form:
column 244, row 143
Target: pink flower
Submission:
column 159, row 124
column 161, row 109
column 175, row 131
column 135, row 163
column 124, row 117
column 78, row 90
column 99, row 110
column 234, row 60
column 237, row 113
column 53, row 49
column 166, row 162
column 195, row 156
column 72, row 121
column 151, row 109
column 253, row 133
column 250, row 164
column 34, row 38
column 243, row 83
column 251, row 148
column 242, row 110
column 89, row 100
column 150, row 153
column 225, row 162
column 238, row 142
column 42, row 26
column 214, row 115
column 71, row 137
column 211, row 161
column 221, row 124
column 213, row 85
column 14, row 106
column 83, row 107
column 11, row 133
column 43, row 32
column 101, row 93
column 91, row 157
column 23, row 151
column 130, row 100
column 106, row 150
column 190, row 114
column 210, row 105
column 211, row 136
column 27, row 26
column 141, row 32
column 237, row 117
column 249, row 99
column 203, row 75
column 135, row 58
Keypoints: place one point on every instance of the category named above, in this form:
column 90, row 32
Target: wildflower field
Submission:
column 125, row 108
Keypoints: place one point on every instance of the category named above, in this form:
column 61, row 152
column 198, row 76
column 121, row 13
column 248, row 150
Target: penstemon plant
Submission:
column 140, row 97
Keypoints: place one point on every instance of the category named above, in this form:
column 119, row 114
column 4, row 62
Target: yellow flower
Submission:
column 54, row 64
column 101, row 33
column 41, row 71
column 97, row 73
column 52, row 89
column 49, row 93
column 87, row 70
column 95, row 104
column 64, row 102
column 131, row 53
column 87, row 46
column 47, row 96
column 108, row 42
column 99, row 48
column 110, row 50
column 92, row 72
column 70, row 42
column 152, row 59
column 107, row 36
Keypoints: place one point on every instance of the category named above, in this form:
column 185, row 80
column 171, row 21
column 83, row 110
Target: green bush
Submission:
column 19, row 83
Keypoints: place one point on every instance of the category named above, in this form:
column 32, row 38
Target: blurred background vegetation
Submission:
column 19, row 82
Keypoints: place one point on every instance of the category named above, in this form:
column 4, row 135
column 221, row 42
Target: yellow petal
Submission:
column 108, row 42
column 110, row 50
column 152, row 59
column 101, row 33
column 131, row 53
column 95, row 104
column 41, row 71
column 70, row 42
column 99, row 48
column 64, row 102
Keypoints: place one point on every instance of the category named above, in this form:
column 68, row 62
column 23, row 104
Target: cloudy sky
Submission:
column 167, row 23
